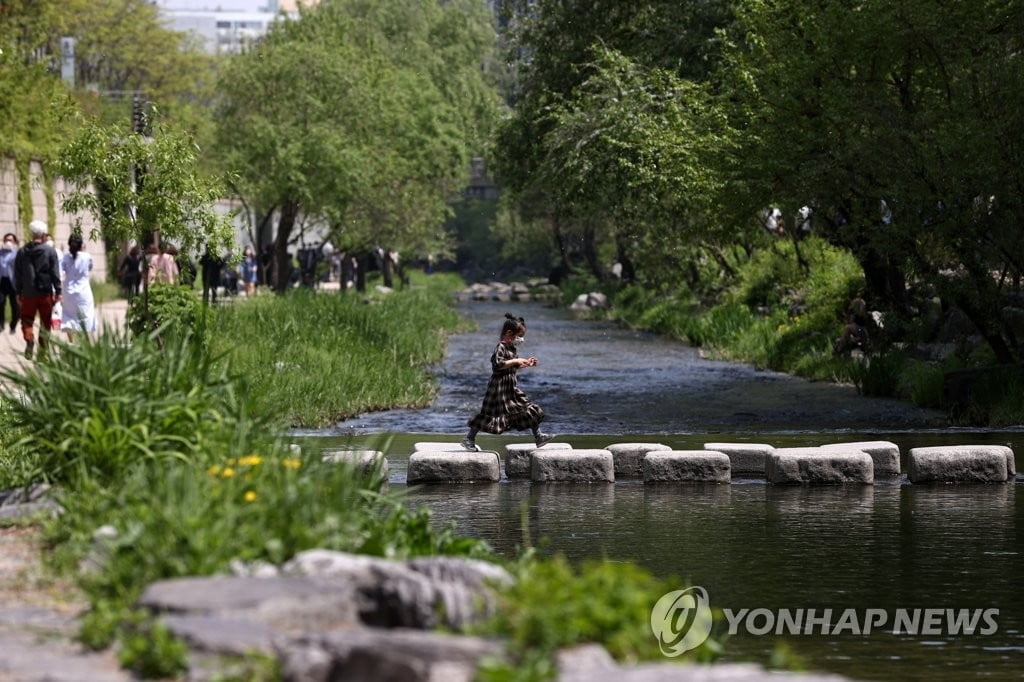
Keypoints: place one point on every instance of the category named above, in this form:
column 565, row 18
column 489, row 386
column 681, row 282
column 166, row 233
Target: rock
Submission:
column 461, row 466
column 696, row 466
column 517, row 457
column 818, row 466
column 363, row 654
column 744, row 458
column 33, row 500
column 591, row 301
column 884, row 455
column 583, row 466
column 583, row 658
column 960, row 464
column 691, row 672
column 368, row 461
column 214, row 634
column 629, row 457
column 434, row 446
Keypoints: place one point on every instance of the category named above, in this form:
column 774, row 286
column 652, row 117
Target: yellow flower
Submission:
column 227, row 473
column 213, row 471
column 249, row 461
column 291, row 463
column 250, row 495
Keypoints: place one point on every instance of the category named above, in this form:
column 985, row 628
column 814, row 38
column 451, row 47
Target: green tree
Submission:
column 359, row 116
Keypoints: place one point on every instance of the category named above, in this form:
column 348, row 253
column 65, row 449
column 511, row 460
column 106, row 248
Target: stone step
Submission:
column 885, row 455
column 961, row 464
column 437, row 446
column 366, row 460
column 583, row 466
column 690, row 466
column 745, row 459
column 461, row 467
column 629, row 457
column 517, row 457
column 819, row 466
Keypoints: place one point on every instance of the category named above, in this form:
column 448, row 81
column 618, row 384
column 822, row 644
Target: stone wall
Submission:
column 10, row 222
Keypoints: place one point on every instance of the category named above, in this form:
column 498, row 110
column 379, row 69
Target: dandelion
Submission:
column 249, row 460
column 213, row 471
column 228, row 472
column 291, row 463
column 250, row 495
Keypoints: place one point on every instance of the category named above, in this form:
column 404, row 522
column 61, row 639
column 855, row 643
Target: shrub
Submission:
column 174, row 310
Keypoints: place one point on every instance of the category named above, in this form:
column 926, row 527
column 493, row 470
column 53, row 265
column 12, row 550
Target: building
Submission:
column 226, row 26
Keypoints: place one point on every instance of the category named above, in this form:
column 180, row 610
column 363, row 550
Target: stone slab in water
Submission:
column 960, row 464
column 691, row 466
column 517, row 457
column 583, row 466
column 367, row 460
column 884, row 454
column 436, row 446
column 819, row 466
column 629, row 457
column 462, row 466
column 745, row 459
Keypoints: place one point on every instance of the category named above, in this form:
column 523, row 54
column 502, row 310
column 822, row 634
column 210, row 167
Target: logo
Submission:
column 681, row 620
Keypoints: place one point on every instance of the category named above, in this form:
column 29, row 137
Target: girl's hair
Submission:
column 513, row 325
column 74, row 245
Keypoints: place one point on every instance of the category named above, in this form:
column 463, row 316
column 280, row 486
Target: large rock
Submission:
column 819, row 466
column 463, row 466
column 584, row 466
column 364, row 654
column 960, row 464
column 629, row 457
column 437, row 446
column 517, row 457
column 695, row 466
column 885, row 455
column 367, row 461
column 745, row 459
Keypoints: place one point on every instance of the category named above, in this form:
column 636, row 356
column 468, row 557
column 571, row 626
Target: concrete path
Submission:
column 12, row 346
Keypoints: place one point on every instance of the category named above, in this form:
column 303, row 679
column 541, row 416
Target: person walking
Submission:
column 79, row 310
column 130, row 272
column 7, row 292
column 250, row 271
column 504, row 405
column 37, row 283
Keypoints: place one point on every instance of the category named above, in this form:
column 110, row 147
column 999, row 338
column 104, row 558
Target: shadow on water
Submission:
column 889, row 546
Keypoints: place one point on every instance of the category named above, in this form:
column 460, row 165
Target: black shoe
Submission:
column 544, row 438
column 30, row 346
column 468, row 444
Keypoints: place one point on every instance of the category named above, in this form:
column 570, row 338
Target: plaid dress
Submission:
column 505, row 406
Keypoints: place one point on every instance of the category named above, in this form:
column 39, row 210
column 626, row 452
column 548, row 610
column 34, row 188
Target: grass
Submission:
column 312, row 359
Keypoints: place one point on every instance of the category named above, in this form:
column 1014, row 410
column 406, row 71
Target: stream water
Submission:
column 885, row 547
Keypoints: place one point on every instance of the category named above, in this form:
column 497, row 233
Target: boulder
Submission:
column 517, row 457
column 696, row 466
column 584, row 466
column 960, row 464
column 885, row 455
column 745, row 459
column 463, row 466
column 435, row 446
column 366, row 460
column 819, row 466
column 629, row 457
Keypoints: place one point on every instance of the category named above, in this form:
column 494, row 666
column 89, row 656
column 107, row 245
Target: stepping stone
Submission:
column 366, row 460
column 462, row 466
column 435, row 446
column 517, row 457
column 629, row 457
column 884, row 454
column 961, row 464
column 696, row 466
column 819, row 466
column 584, row 466
column 745, row 459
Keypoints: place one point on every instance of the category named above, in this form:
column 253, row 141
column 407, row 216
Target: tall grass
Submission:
column 312, row 359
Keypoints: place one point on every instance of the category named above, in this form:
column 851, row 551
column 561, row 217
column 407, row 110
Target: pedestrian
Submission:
column 130, row 272
column 7, row 292
column 855, row 333
column 37, row 283
column 78, row 309
column 250, row 271
column 212, row 265
column 162, row 268
column 504, row 405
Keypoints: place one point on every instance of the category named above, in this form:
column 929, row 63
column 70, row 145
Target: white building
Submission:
column 226, row 26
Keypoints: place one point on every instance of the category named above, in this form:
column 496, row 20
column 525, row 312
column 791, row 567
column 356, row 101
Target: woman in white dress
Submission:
column 79, row 313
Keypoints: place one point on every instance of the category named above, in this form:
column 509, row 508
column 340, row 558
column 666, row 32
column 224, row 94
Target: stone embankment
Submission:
column 507, row 292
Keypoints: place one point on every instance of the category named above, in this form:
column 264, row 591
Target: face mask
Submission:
column 8, row 246
column 518, row 341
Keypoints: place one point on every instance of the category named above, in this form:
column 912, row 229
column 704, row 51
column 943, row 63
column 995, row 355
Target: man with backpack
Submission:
column 37, row 284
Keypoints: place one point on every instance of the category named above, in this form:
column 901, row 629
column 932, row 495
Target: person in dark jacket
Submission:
column 37, row 283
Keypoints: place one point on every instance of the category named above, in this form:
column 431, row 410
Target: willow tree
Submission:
column 360, row 115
